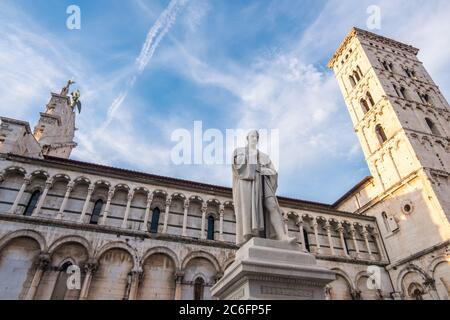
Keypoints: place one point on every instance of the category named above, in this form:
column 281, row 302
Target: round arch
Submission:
column 24, row 234
column 161, row 250
column 201, row 254
column 71, row 239
column 117, row 245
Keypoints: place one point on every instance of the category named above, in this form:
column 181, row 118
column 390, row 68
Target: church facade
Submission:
column 132, row 235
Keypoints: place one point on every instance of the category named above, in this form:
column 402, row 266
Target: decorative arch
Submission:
column 201, row 254
column 117, row 245
column 71, row 239
column 436, row 261
column 405, row 271
column 344, row 275
column 160, row 250
column 24, row 234
column 18, row 169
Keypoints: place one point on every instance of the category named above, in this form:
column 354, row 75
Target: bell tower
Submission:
column 55, row 130
column 402, row 121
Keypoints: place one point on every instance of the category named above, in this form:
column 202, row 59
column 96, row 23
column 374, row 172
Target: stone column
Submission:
column 127, row 210
column 86, row 203
column 355, row 241
column 340, row 229
column 108, row 206
column 300, row 236
column 179, row 275
column 48, row 185
column 69, row 189
column 316, row 234
column 26, row 183
column 203, row 227
column 90, row 268
column 147, row 211
column 327, row 227
column 166, row 214
column 136, row 276
column 222, row 213
column 42, row 264
column 186, row 208
column 366, row 240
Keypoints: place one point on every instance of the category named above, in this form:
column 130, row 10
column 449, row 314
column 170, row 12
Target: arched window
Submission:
column 364, row 105
column 359, row 71
column 96, row 212
column 370, row 99
column 32, row 203
column 403, row 93
column 306, row 239
column 60, row 289
column 199, row 285
column 155, row 220
column 380, row 134
column 210, row 228
column 432, row 127
column 356, row 76
column 352, row 81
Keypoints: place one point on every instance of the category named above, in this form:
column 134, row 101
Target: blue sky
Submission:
column 229, row 64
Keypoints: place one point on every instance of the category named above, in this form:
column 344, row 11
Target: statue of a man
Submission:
column 255, row 182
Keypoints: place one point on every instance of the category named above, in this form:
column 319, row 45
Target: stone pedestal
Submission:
column 271, row 270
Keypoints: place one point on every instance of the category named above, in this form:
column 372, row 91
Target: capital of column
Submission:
column 91, row 189
column 27, row 180
column 179, row 275
column 327, row 226
column 150, row 198
column 90, row 266
column 49, row 183
column 70, row 186
column 204, row 208
column 221, row 209
column 186, row 204
column 44, row 260
column 168, row 201
column 111, row 193
column 130, row 195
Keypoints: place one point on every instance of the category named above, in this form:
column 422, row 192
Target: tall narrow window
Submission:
column 155, row 220
column 32, row 203
column 396, row 90
column 60, row 289
column 359, row 71
column 210, row 228
column 199, row 285
column 380, row 134
column 356, row 76
column 352, row 81
column 403, row 93
column 364, row 105
column 432, row 127
column 370, row 99
column 96, row 212
column 306, row 239
column 347, row 250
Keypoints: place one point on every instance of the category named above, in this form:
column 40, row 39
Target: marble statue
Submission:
column 255, row 183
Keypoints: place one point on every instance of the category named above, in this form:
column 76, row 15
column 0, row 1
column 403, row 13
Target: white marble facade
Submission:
column 141, row 236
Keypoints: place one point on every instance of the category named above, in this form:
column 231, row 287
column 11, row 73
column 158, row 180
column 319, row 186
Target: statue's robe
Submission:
column 252, row 183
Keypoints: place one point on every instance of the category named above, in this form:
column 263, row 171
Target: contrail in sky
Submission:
column 154, row 36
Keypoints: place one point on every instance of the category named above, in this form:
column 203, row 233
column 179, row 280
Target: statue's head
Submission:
column 253, row 138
